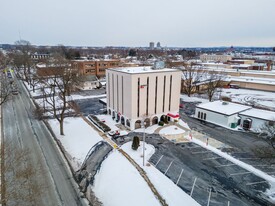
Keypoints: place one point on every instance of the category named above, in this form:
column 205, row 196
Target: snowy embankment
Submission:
column 118, row 183
column 122, row 187
column 79, row 138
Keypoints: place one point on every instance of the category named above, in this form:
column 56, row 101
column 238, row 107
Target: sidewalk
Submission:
column 188, row 134
column 211, row 141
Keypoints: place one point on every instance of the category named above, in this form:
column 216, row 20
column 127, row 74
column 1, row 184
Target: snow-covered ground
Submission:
column 245, row 96
column 148, row 130
column 192, row 98
column 252, row 97
column 118, row 183
column 171, row 130
column 121, row 187
column 79, row 138
column 77, row 97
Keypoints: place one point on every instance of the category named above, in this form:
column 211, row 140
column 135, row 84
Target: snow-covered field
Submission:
column 79, row 138
column 245, row 96
column 251, row 97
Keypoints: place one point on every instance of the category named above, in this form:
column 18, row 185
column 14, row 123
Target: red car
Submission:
column 181, row 105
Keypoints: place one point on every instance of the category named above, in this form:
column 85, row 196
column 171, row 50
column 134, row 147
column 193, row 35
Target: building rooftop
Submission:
column 259, row 113
column 145, row 69
column 222, row 107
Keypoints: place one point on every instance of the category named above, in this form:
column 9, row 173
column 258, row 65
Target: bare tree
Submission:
column 190, row 76
column 5, row 90
column 19, row 177
column 22, row 59
column 267, row 132
column 214, row 81
column 61, row 79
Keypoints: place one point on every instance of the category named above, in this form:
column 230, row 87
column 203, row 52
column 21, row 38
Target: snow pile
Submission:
column 170, row 130
column 78, row 140
column 148, row 130
column 107, row 119
column 183, row 124
column 118, row 183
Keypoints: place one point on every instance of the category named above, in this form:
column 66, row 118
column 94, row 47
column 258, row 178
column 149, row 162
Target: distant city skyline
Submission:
column 175, row 23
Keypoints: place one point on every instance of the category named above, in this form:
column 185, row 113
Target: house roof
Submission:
column 222, row 107
column 259, row 114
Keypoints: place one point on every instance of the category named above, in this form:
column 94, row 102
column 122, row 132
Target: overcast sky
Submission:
column 180, row 23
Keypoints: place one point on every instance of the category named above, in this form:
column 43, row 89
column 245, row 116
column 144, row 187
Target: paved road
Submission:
column 23, row 130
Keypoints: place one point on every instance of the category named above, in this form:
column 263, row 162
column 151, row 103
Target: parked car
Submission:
column 14, row 92
column 114, row 133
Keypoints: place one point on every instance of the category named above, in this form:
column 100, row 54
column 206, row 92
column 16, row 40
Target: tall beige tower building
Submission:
column 142, row 94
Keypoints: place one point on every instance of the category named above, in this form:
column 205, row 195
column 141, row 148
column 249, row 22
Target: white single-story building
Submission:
column 89, row 82
column 225, row 114
column 254, row 119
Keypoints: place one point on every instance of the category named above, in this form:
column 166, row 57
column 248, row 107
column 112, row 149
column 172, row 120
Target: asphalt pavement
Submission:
column 24, row 130
column 228, row 182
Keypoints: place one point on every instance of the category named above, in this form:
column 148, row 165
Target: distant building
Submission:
column 39, row 57
column 151, row 45
column 137, row 94
column 48, row 70
column 88, row 82
column 215, row 58
column 94, row 67
column 158, row 45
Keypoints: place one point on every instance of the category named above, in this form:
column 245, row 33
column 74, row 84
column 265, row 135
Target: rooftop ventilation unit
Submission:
column 225, row 103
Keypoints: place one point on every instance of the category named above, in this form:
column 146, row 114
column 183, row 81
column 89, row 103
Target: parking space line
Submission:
column 201, row 152
column 209, row 197
column 159, row 160
column 191, row 193
column 240, row 173
column 249, row 158
column 179, row 176
column 255, row 183
column 193, row 147
column 226, row 165
column 168, row 167
column 212, row 158
column 268, row 166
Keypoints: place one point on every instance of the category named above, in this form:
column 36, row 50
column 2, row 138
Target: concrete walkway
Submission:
column 185, row 137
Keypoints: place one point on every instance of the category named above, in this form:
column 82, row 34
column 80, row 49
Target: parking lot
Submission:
column 209, row 178
column 205, row 175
